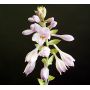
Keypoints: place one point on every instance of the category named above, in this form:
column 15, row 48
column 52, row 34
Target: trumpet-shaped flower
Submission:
column 44, row 73
column 45, row 52
column 32, row 56
column 60, row 65
column 34, row 18
column 65, row 37
column 67, row 59
column 42, row 35
column 29, row 68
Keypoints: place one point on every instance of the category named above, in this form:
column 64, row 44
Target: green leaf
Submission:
column 36, row 45
column 50, row 60
column 50, row 78
column 54, row 31
column 40, row 47
column 44, row 60
column 41, row 82
column 54, row 41
column 54, row 51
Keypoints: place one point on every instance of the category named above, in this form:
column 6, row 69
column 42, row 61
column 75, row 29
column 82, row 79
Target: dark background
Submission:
column 72, row 19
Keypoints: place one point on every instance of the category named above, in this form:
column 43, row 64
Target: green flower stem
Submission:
column 46, row 82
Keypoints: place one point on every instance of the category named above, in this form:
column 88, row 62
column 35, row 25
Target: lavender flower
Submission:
column 45, row 47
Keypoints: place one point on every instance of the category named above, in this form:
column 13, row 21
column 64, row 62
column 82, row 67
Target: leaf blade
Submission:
column 41, row 82
column 50, row 60
column 54, row 41
column 54, row 31
column 50, row 78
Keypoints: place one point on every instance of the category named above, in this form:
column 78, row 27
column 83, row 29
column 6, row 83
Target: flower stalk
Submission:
column 42, row 36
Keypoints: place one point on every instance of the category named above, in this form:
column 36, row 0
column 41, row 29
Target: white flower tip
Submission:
column 27, row 32
column 67, row 37
column 30, row 19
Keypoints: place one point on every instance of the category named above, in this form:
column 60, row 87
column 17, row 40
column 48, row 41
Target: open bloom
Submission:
column 33, row 28
column 65, row 37
column 34, row 18
column 60, row 65
column 44, row 73
column 45, row 52
column 67, row 59
column 42, row 35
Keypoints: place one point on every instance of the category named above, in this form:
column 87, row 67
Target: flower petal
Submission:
column 27, row 32
column 45, row 52
column 53, row 24
column 29, row 68
column 36, row 18
column 35, row 27
column 45, row 32
column 36, row 37
column 32, row 56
